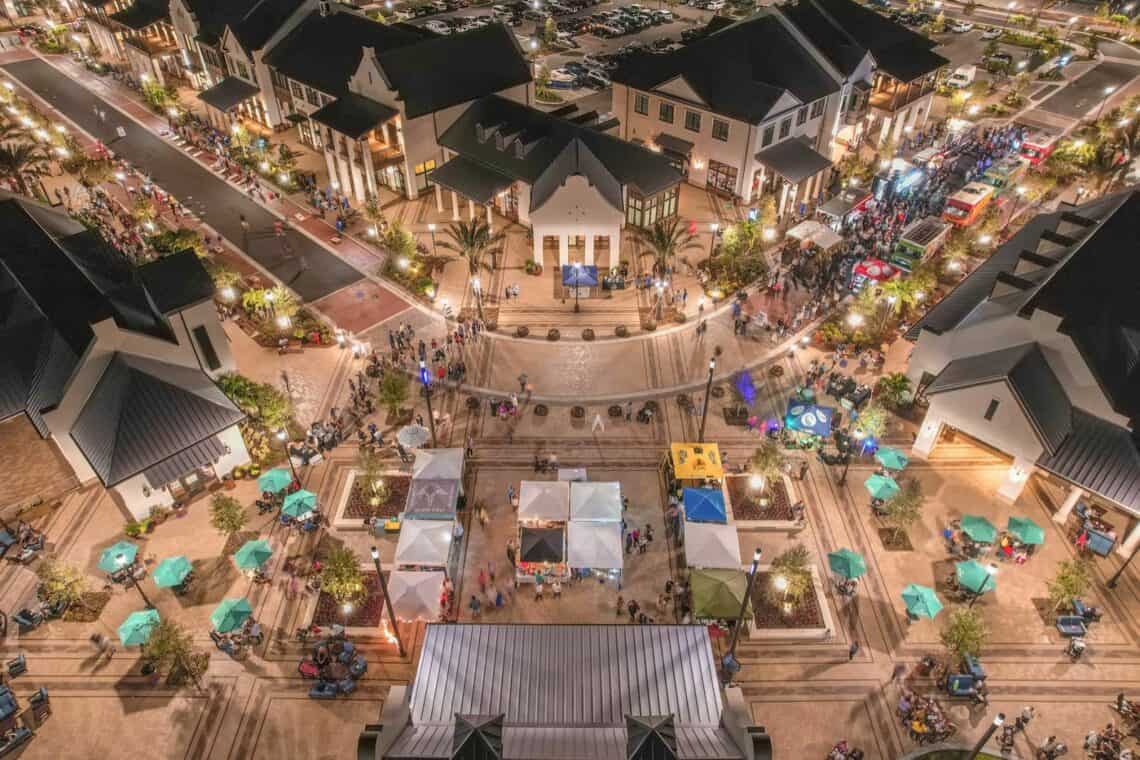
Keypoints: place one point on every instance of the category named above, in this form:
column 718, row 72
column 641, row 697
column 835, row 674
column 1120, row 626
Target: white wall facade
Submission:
column 576, row 209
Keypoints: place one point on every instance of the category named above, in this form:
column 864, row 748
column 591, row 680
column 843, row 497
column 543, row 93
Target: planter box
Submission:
column 775, row 524
column 820, row 633
column 342, row 520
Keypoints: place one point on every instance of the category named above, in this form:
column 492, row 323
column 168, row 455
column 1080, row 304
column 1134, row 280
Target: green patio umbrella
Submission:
column 717, row 593
column 974, row 577
column 230, row 614
column 881, row 487
column 117, row 556
column 847, row 563
column 253, row 554
column 979, row 529
column 299, row 503
column 921, row 601
column 136, row 629
column 892, row 459
column 275, row 481
column 171, row 571
column 1025, row 530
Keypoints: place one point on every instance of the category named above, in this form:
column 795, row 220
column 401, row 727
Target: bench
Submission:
column 1071, row 625
column 19, row 737
column 18, row 666
column 323, row 690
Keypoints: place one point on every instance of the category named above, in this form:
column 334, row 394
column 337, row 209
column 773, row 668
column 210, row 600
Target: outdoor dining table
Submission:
column 334, row 671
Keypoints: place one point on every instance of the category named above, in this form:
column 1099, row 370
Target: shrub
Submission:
column 227, row 515
column 341, row 577
column 621, row 331
column 791, row 577
column 522, row 331
column 587, row 334
column 552, row 334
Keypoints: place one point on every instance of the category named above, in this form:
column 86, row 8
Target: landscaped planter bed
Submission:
column 367, row 611
column 358, row 506
column 745, row 500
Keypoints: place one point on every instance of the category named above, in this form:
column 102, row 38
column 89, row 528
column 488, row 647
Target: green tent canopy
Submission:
column 979, row 529
column 117, row 556
column 136, row 629
column 275, row 481
column 921, row 601
column 881, row 487
column 230, row 614
column 299, row 503
column 171, row 571
column 1025, row 530
column 846, row 563
column 891, row 458
column 974, row 577
column 717, row 593
column 253, row 554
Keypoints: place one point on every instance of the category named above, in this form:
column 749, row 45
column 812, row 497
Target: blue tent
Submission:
column 704, row 505
column 808, row 418
column 580, row 276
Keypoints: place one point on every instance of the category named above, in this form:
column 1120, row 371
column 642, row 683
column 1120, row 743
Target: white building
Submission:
column 114, row 364
column 1035, row 355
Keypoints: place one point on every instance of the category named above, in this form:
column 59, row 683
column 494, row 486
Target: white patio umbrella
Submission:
column 413, row 436
column 544, row 500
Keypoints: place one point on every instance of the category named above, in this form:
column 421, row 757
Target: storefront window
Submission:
column 646, row 212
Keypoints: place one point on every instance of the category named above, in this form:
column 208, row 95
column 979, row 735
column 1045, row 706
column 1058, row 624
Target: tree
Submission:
column 472, row 241
column 542, row 81
column 61, row 584
column 966, row 634
column 20, row 161
column 176, row 241
column 872, row 420
column 894, row 389
column 768, row 461
column 394, row 390
column 904, row 509
column 1072, row 579
column 341, row 577
column 227, row 515
column 286, row 158
column 791, row 577
column 370, row 472
column 94, row 171
column 549, row 31
column 664, row 240
column 170, row 648
column 143, row 211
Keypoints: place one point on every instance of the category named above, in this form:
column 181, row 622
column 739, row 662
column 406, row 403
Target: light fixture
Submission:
column 228, row 293
column 402, row 262
column 60, row 128
column 264, row 166
column 756, row 482
column 283, row 322
column 769, row 233
column 281, row 434
column 713, row 227
column 284, row 177
column 780, row 582
column 172, row 113
column 269, row 296
column 855, row 320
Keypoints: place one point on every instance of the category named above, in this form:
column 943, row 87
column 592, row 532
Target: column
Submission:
column 589, row 247
column 369, row 170
column 927, row 436
column 330, row 162
column 885, row 132
column 454, row 206
column 470, row 210
column 1062, row 515
column 563, row 250
column 1129, row 544
column 783, row 199
column 1015, row 479
column 537, row 242
column 438, row 199
column 490, row 219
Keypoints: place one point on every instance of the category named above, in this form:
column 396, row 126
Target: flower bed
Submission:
column 366, row 611
column 89, row 610
column 805, row 615
column 746, row 500
column 358, row 506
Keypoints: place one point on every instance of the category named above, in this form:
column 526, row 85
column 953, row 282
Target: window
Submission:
column 785, row 127
column 801, row 116
column 991, row 410
column 817, row 109
column 722, row 178
column 207, row 347
column 769, row 134
column 666, row 113
column 312, row 96
column 278, row 80
column 720, row 130
column 242, row 70
column 633, row 210
column 692, row 121
column 423, row 174
column 641, row 104
column 645, row 212
column 297, row 90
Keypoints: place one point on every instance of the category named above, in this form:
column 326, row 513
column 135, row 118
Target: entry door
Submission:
column 576, row 249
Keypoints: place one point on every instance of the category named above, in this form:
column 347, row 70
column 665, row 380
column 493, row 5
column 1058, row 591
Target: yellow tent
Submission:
column 694, row 461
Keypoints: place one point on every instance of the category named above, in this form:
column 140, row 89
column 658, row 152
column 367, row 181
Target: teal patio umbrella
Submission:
column 846, row 563
column 974, row 577
column 275, row 481
column 136, row 629
column 892, row 459
column 1025, row 530
column 171, row 571
column 921, row 601
column 299, row 503
column 979, row 529
column 117, row 556
column 881, row 487
column 230, row 614
column 253, row 554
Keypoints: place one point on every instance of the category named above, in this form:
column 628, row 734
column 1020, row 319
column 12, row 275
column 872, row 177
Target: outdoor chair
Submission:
column 7, row 541
column 18, row 666
column 346, row 686
column 323, row 690
column 1086, row 613
column 971, row 666
column 358, row 667
column 17, row 738
column 346, row 652
column 27, row 619
column 1071, row 625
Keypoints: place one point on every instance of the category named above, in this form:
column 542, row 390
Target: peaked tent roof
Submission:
column 478, row 737
column 544, row 500
column 425, row 542
column 650, row 737
column 416, row 593
column 595, row 545
column 143, row 411
column 438, row 464
column 595, row 501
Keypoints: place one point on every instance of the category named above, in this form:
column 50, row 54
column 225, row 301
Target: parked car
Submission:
column 597, row 80
column 715, row 5
column 963, row 77
column 664, row 15
column 688, row 35
column 437, row 26
column 999, row 58
column 960, row 27
column 992, row 33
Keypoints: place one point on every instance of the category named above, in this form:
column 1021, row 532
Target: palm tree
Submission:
column 472, row 241
column 665, row 240
column 19, row 161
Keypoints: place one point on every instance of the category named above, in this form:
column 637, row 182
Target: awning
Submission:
column 438, row 464
column 579, row 276
column 544, row 500
column 595, row 545
column 844, row 203
column 808, row 418
column 704, row 505
column 432, row 499
column 201, row 454
column 354, row 115
column 672, row 144
column 711, row 545
column 595, row 501
column 471, row 179
column 416, row 594
column 812, row 232
column 794, row 160
column 228, row 94
column 424, row 542
column 696, row 460
column 542, row 545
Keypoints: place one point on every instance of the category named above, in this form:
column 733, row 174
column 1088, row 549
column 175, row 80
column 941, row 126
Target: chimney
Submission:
column 324, row 7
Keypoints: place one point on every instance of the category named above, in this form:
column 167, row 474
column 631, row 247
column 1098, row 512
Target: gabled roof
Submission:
column 143, row 411
column 258, row 24
column 795, row 160
column 228, row 93
column 143, row 13
column 740, row 71
column 478, row 737
column 354, row 115
column 650, row 737
column 841, row 49
column 177, row 281
column 1100, row 457
column 213, row 16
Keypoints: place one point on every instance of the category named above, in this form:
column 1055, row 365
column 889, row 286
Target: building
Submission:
column 137, row 34
column 572, row 183
column 114, row 364
column 573, row 692
column 767, row 104
column 1035, row 355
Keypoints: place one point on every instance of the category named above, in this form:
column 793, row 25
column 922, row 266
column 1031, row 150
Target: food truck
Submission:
column 1039, row 144
column 966, row 206
column 1004, row 175
column 919, row 240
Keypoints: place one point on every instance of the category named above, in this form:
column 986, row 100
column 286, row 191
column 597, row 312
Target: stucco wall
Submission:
column 1009, row 431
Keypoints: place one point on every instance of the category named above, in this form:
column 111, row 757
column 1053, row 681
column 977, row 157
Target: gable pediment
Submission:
column 679, row 87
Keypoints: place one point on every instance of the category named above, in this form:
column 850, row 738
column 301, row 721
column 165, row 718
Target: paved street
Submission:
column 1085, row 95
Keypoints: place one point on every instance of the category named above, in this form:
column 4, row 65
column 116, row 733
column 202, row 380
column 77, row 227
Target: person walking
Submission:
column 511, row 552
column 633, row 608
column 475, row 606
column 538, row 589
column 852, row 650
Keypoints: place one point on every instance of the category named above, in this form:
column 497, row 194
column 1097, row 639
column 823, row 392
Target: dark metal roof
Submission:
column 471, row 179
column 542, row 545
column 354, row 115
column 841, row 49
column 212, row 16
column 143, row 411
column 794, row 160
column 143, row 13
column 1100, row 457
column 177, row 281
column 257, row 25
column 201, row 454
column 228, row 93
column 478, row 737
column 674, row 144
column 650, row 737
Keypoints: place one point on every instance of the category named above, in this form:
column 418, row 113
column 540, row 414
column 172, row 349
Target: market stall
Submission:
column 417, row 595
column 595, row 501
column 813, row 233
column 871, row 271
column 425, row 544
column 710, row 545
column 543, row 500
column 595, row 546
column 438, row 464
column 542, row 551
column 844, row 208
column 718, row 594
column 704, row 505
column 432, row 500
column 693, row 465
column 806, row 424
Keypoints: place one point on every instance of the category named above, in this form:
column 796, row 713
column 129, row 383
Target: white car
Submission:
column 991, row 34
column 715, row 5
column 438, row 27
column 961, row 27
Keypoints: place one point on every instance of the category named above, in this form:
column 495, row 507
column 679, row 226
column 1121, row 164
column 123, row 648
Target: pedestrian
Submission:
column 538, row 589
column 556, row 588
column 475, row 606
column 482, row 580
column 511, row 493
column 511, row 552
column 598, row 424
column 632, row 608
column 628, row 411
column 522, row 382
column 620, row 605
column 642, row 545
column 628, row 543
column 898, row 673
column 852, row 650
column 803, row 469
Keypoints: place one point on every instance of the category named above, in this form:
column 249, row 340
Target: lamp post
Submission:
column 1107, row 91
column 431, row 229
column 858, row 436
column 708, row 392
column 121, row 561
column 425, row 378
column 991, row 571
column 282, row 436
column 577, row 282
column 998, row 720
column 728, row 663
column 1116, row 576
column 347, row 610
column 387, row 600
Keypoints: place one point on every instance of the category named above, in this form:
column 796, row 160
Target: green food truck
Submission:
column 919, row 240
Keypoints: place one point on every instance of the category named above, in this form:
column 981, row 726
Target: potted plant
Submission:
column 578, row 412
column 621, row 331
column 588, row 334
column 522, row 331
column 552, row 334
column 541, row 410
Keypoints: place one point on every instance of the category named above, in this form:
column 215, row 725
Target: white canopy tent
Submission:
column 424, row 542
column 416, row 594
column 711, row 545
column 815, row 232
column 571, row 473
column 438, row 464
column 594, row 545
column 595, row 501
column 544, row 500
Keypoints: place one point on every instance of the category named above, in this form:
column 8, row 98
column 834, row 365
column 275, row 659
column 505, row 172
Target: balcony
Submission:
column 152, row 46
column 898, row 95
column 384, row 155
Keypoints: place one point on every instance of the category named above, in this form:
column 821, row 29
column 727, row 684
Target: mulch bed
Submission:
column 746, row 501
column 893, row 543
column 91, row 608
column 237, row 540
column 358, row 506
column 806, row 615
column 365, row 612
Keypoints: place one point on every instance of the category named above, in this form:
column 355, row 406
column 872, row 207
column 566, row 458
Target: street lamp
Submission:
column 121, row 561
column 387, row 600
column 728, row 663
column 282, row 436
column 577, row 280
column 855, row 320
column 708, row 392
column 1107, row 91
column 425, row 378
column 858, row 435
column 431, row 229
column 998, row 720
column 991, row 571
column 660, row 298
column 1116, row 576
